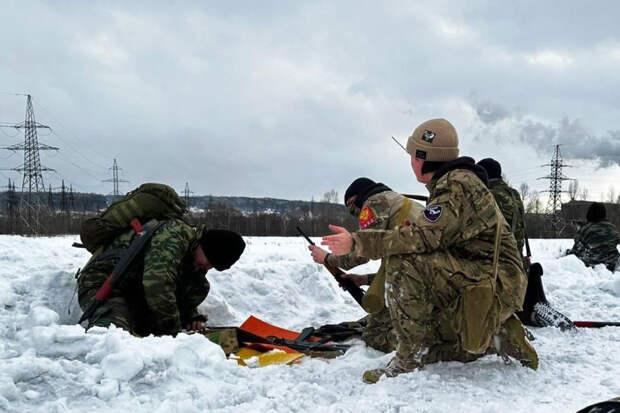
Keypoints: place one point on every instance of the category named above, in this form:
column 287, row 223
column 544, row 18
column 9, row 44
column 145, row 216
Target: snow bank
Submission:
column 48, row 364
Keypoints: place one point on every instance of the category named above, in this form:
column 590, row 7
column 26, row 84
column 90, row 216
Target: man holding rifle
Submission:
column 453, row 292
column 376, row 207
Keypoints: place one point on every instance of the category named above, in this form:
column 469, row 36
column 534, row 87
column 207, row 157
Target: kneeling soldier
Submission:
column 165, row 284
column 453, row 293
column 376, row 207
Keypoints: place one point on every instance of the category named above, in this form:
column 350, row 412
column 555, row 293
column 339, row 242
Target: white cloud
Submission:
column 294, row 99
column 550, row 59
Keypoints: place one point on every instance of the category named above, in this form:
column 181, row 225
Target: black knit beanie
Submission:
column 222, row 248
column 596, row 212
column 493, row 168
column 358, row 187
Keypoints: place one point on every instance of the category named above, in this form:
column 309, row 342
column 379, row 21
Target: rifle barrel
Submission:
column 305, row 236
column 346, row 284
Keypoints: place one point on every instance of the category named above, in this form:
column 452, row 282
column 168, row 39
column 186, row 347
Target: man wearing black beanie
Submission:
column 596, row 241
column 375, row 206
column 508, row 200
column 162, row 289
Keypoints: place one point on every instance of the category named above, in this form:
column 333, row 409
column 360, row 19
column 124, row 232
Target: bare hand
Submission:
column 358, row 280
column 195, row 326
column 339, row 244
column 318, row 254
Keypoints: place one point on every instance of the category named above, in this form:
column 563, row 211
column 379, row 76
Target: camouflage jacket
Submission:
column 457, row 227
column 509, row 202
column 161, row 286
column 380, row 211
column 595, row 243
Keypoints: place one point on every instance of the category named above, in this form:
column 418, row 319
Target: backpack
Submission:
column 148, row 201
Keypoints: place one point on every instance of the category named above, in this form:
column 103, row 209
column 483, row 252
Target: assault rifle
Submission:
column 349, row 286
column 143, row 235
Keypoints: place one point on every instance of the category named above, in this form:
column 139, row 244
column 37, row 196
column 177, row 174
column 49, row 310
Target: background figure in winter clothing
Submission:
column 508, row 200
column 596, row 241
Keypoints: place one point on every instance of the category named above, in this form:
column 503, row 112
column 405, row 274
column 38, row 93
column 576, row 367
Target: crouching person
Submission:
column 160, row 292
column 455, row 277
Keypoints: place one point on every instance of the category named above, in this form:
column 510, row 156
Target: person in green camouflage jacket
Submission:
column 453, row 293
column 508, row 200
column 376, row 207
column 165, row 284
column 596, row 241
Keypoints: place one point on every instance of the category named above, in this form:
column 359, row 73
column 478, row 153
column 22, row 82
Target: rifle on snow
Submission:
column 349, row 286
column 143, row 235
column 538, row 311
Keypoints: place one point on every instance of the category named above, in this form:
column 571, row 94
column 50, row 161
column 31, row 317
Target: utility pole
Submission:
column 186, row 193
column 555, row 178
column 64, row 205
column 115, row 180
column 71, row 198
column 31, row 168
column 50, row 200
column 11, row 207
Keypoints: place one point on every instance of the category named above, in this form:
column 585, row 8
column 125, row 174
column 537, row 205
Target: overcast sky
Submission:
column 292, row 99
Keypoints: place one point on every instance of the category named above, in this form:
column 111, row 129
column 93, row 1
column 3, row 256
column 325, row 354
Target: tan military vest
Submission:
column 402, row 211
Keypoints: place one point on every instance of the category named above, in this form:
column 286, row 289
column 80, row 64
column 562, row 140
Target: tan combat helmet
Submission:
column 435, row 140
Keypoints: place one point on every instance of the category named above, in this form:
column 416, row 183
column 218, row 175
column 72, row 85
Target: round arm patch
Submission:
column 433, row 212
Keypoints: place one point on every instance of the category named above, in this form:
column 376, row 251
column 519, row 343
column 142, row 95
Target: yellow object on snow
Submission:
column 249, row 357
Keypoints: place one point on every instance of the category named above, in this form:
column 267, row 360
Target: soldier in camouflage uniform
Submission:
column 165, row 284
column 455, row 276
column 508, row 200
column 596, row 241
column 377, row 207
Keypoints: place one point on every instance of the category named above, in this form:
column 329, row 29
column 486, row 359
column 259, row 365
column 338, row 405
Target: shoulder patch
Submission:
column 433, row 212
column 366, row 217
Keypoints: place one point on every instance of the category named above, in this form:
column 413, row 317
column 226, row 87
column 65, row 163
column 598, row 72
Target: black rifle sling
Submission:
column 126, row 259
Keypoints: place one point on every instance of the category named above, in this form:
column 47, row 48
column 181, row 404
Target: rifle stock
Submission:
column 349, row 286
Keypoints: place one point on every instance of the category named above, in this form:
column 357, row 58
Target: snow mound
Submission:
column 49, row 364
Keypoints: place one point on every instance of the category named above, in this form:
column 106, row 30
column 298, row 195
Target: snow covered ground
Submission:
column 48, row 364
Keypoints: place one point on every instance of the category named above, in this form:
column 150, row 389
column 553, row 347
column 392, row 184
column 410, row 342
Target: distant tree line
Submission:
column 269, row 217
column 312, row 217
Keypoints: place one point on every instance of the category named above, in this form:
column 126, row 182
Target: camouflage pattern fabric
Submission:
column 345, row 262
column 385, row 207
column 509, row 202
column 595, row 243
column 382, row 213
column 160, row 291
column 442, row 293
column 379, row 333
column 224, row 337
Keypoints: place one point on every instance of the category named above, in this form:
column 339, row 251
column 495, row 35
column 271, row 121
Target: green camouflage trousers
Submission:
column 439, row 314
column 114, row 311
column 379, row 333
column 117, row 309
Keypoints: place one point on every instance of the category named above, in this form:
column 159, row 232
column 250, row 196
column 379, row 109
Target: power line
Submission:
column 186, row 193
column 555, row 177
column 115, row 180
column 75, row 139
column 31, row 168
